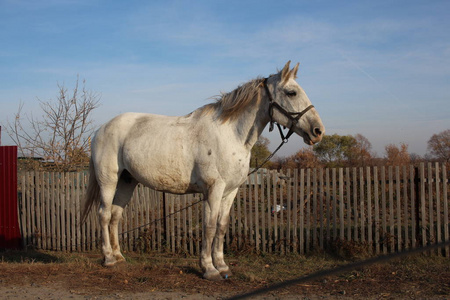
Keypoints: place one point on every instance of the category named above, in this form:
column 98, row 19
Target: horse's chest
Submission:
column 235, row 170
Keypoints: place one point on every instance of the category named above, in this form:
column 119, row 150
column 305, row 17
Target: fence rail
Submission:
column 380, row 209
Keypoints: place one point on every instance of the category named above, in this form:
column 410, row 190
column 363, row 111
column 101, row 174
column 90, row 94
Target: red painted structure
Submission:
column 9, row 223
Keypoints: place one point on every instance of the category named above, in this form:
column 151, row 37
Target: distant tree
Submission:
column 303, row 159
column 397, row 155
column 439, row 145
column 360, row 153
column 260, row 152
column 335, row 150
column 416, row 158
column 278, row 162
column 62, row 136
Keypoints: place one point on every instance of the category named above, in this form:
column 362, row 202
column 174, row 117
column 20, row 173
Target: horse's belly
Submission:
column 165, row 184
column 171, row 180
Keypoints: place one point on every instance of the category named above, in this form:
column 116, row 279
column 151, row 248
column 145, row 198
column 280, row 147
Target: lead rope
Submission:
column 284, row 141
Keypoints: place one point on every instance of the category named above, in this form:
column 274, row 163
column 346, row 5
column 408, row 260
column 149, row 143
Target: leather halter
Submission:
column 294, row 117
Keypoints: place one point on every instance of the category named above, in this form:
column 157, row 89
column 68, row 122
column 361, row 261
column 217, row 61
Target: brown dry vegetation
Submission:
column 54, row 275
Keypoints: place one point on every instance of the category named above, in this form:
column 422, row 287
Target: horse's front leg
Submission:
column 222, row 226
column 211, row 207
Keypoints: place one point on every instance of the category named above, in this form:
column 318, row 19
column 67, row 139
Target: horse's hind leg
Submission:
column 222, row 226
column 125, row 188
column 107, row 191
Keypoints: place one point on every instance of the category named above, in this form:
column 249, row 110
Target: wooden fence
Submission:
column 375, row 209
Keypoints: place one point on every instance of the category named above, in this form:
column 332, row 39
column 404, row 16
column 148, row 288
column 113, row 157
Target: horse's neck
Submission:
column 251, row 123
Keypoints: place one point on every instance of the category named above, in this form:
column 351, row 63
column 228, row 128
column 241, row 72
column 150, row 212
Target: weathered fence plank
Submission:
column 376, row 210
column 302, row 212
column 315, row 242
column 341, row 204
column 446, row 215
column 406, row 200
column 361, row 204
column 369, row 209
column 355, row 205
column 321, row 212
column 327, row 196
column 391, row 210
column 349, row 203
column 438, row 205
column 414, row 202
column 423, row 215
column 308, row 210
column 256, row 211
column 383, row 209
column 430, row 203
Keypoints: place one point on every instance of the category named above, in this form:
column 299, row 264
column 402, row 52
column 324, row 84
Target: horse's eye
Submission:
column 291, row 93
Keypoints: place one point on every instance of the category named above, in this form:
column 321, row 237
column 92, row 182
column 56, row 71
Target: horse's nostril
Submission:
column 317, row 132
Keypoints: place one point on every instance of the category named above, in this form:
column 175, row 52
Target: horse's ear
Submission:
column 285, row 72
column 294, row 71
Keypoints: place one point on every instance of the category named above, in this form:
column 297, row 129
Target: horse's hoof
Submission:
column 109, row 262
column 119, row 258
column 213, row 276
column 226, row 274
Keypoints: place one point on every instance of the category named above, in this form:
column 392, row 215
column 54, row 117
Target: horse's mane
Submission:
column 229, row 105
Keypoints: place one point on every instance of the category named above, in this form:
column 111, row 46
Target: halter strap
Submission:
column 294, row 117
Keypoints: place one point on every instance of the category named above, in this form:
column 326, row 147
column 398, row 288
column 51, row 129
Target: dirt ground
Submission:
column 47, row 275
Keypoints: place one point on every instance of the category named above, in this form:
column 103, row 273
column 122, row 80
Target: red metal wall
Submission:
column 9, row 224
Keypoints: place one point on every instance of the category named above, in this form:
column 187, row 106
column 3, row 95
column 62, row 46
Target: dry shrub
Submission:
column 349, row 250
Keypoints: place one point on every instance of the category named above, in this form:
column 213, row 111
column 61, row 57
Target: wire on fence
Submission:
column 145, row 225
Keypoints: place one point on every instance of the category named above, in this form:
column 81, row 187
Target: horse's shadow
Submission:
column 192, row 270
column 30, row 256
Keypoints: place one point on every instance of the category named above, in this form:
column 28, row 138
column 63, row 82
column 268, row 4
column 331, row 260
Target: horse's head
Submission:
column 291, row 108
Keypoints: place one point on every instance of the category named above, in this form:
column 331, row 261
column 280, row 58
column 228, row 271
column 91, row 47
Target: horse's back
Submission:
column 129, row 126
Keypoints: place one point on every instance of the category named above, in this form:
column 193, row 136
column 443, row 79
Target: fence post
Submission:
column 417, row 204
column 165, row 227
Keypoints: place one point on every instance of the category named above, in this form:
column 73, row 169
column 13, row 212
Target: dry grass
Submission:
column 418, row 276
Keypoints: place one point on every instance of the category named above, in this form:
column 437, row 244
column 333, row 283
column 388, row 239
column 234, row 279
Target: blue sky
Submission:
column 378, row 68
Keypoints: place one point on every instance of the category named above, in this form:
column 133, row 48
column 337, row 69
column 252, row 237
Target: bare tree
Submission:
column 62, row 136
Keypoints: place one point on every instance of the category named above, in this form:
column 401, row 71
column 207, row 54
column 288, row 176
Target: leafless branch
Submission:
column 61, row 136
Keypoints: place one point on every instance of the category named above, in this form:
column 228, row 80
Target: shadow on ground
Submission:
column 30, row 256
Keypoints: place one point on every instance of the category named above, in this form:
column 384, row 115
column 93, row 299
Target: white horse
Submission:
column 206, row 151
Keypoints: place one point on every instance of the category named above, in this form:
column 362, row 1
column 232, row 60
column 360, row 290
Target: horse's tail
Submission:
column 92, row 195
